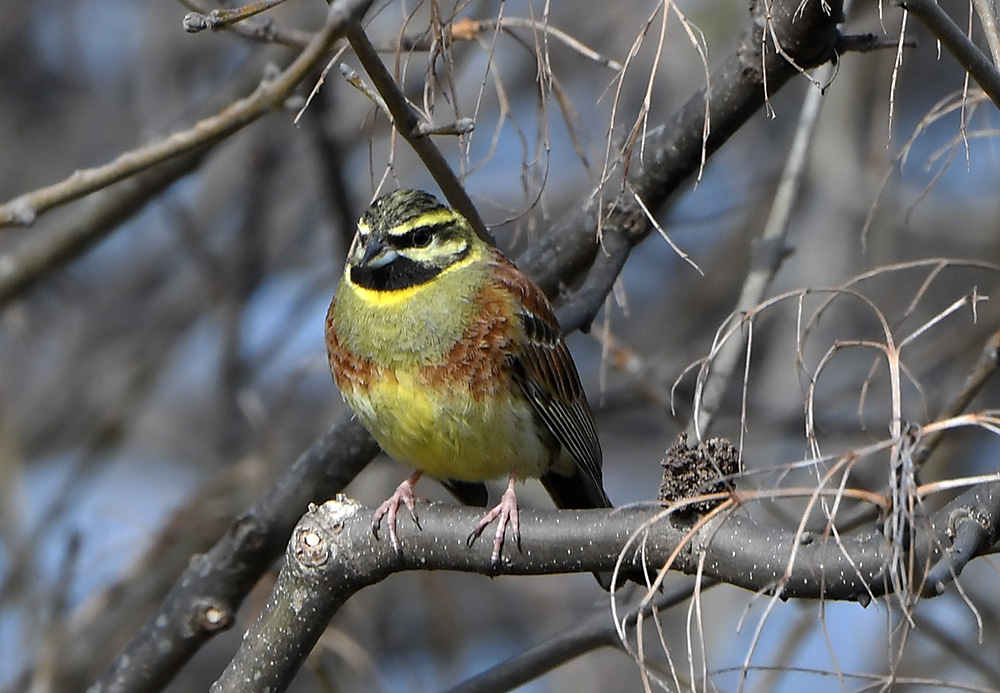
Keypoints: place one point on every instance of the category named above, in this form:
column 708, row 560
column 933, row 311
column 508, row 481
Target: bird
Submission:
column 454, row 361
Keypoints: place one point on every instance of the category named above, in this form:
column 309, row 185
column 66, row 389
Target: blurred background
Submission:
column 156, row 384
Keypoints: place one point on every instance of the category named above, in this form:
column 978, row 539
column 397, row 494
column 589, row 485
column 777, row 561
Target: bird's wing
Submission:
column 543, row 368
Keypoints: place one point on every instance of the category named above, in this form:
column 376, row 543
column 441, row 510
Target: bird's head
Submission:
column 407, row 238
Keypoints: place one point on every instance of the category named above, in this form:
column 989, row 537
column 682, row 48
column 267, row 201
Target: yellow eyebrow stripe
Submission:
column 440, row 216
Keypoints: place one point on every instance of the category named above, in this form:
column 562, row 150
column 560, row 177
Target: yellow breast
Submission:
column 448, row 433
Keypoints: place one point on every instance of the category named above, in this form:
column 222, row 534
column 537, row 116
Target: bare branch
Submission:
column 270, row 94
column 770, row 252
column 107, row 209
column 333, row 554
column 958, row 44
column 263, row 30
column 224, row 17
column 205, row 598
column 408, row 124
column 672, row 152
column 591, row 632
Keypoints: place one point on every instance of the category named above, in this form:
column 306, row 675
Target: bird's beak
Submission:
column 377, row 253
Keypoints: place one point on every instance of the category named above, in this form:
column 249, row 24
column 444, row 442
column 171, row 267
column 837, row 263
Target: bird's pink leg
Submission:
column 504, row 513
column 402, row 495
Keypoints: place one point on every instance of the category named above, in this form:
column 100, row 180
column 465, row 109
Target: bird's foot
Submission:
column 505, row 513
column 403, row 495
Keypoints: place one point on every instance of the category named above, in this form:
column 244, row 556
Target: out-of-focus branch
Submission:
column 586, row 634
column 105, row 211
column 224, row 17
column 769, row 253
column 985, row 368
column 24, row 210
column 958, row 44
column 205, row 598
column 263, row 30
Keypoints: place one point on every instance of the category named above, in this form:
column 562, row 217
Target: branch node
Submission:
column 195, row 22
column 211, row 617
column 21, row 212
column 461, row 126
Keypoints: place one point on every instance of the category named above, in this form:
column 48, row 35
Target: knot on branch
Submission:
column 803, row 33
column 625, row 219
column 210, row 616
column 315, row 541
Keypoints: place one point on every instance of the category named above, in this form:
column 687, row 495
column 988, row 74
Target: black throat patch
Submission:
column 401, row 273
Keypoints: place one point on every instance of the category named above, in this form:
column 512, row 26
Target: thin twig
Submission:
column 769, row 254
column 469, row 29
column 866, row 43
column 224, row 17
column 408, row 123
column 263, row 30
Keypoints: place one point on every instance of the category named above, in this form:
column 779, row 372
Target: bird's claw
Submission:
column 389, row 509
column 505, row 513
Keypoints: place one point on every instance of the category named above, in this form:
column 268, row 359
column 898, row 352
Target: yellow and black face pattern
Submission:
column 407, row 238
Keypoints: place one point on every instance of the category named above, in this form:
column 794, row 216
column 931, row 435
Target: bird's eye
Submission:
column 421, row 237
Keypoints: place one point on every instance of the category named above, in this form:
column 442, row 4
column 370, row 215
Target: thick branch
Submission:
column 205, row 598
column 333, row 554
column 973, row 525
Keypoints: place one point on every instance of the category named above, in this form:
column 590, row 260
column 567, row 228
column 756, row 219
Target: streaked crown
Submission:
column 407, row 238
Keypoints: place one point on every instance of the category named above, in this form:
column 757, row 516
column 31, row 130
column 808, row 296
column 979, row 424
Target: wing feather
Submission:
column 544, row 370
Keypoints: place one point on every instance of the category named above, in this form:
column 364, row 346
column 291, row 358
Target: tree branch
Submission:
column 672, row 152
column 333, row 554
column 958, row 44
column 24, row 210
column 107, row 209
column 256, row 29
column 205, row 598
column 408, row 124
column 589, row 633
